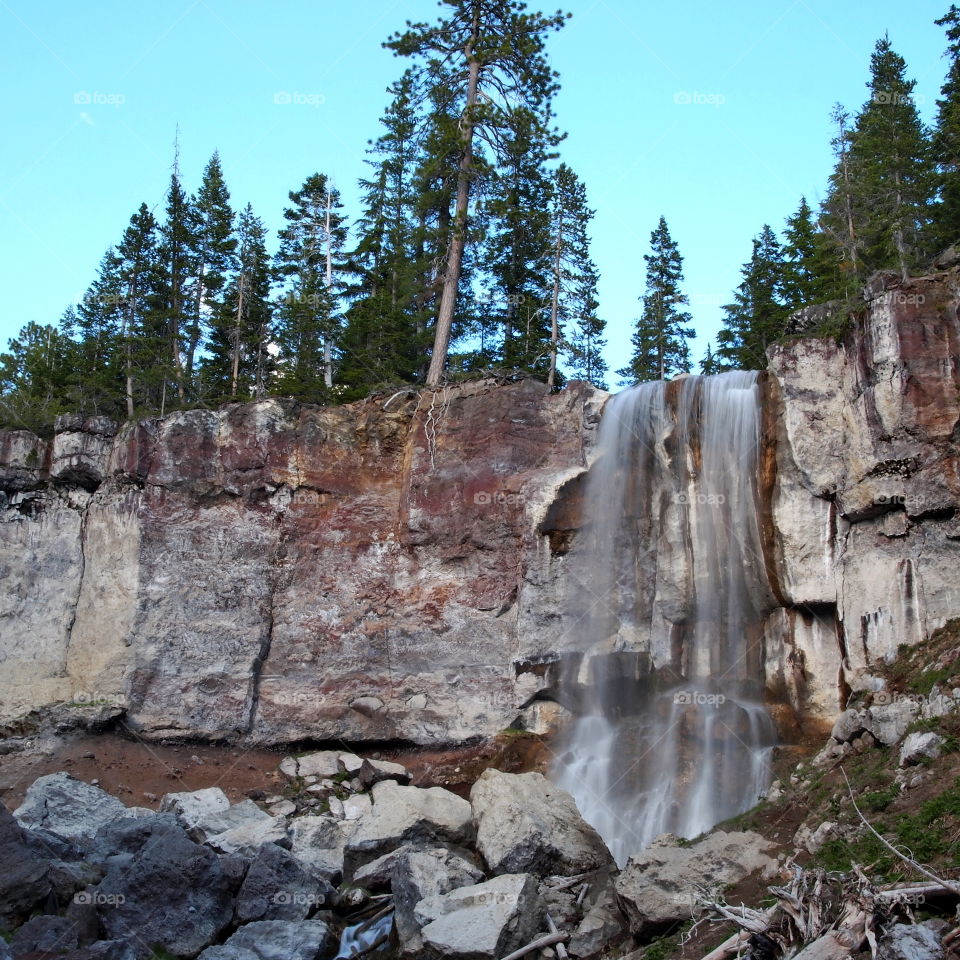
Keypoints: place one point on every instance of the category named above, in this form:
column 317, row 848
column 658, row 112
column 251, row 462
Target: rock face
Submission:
column 277, row 572
column 863, row 523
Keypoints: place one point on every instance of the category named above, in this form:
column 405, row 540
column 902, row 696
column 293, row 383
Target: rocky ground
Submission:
column 239, row 855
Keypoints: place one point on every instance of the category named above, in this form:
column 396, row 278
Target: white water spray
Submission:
column 672, row 735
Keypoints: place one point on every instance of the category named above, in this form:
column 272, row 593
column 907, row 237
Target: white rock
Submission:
column 283, row 809
column 659, row 885
column 526, row 824
column 488, row 919
column 401, row 814
column 920, row 746
column 324, row 763
column 318, row 843
column 356, row 806
column 247, row 839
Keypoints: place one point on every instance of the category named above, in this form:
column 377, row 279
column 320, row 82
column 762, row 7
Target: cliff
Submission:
column 395, row 570
column 283, row 572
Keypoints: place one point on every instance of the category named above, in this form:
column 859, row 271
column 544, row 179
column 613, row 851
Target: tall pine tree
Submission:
column 213, row 257
column 488, row 60
column 946, row 139
column 659, row 341
column 575, row 328
column 756, row 317
column 310, row 268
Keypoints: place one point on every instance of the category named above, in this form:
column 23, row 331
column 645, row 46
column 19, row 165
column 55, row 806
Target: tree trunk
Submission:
column 235, row 372
column 327, row 346
column 555, row 307
column 451, row 280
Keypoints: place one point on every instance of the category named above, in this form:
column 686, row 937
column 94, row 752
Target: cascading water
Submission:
column 671, row 734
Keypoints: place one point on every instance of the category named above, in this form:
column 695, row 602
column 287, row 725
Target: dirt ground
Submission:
column 140, row 772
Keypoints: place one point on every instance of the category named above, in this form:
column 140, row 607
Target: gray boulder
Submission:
column 318, row 843
column 101, row 950
column 67, row 807
column 660, row 886
column 525, row 824
column 486, row 920
column 421, row 873
column 276, row 940
column 603, row 923
column 236, row 815
column 45, row 935
column 917, row 747
column 277, row 887
column 170, row 893
column 24, row 880
column 247, row 839
column 194, row 808
column 910, row 941
column 407, row 814
column 374, row 771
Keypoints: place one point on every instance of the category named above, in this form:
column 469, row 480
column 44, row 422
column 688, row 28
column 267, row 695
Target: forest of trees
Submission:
column 470, row 250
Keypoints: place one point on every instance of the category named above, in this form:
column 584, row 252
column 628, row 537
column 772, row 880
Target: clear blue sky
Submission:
column 94, row 91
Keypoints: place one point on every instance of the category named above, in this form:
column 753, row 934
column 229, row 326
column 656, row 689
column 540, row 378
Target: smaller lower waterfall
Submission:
column 669, row 571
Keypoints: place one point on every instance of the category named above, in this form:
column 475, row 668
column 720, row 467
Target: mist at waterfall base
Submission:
column 671, row 734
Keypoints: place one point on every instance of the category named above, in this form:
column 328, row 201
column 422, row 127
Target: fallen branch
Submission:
column 562, row 883
column 908, row 860
column 552, row 927
column 547, row 941
column 730, row 947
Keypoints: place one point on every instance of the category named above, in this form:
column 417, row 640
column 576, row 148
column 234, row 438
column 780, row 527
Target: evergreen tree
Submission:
column 709, row 364
column 142, row 330
column 659, row 341
column 575, row 327
column 34, row 376
column 238, row 361
column 517, row 253
column 946, row 139
column 213, row 256
column 95, row 326
column 487, row 59
column 756, row 317
column 309, row 265
column 811, row 272
column 384, row 338
column 178, row 265
column 880, row 199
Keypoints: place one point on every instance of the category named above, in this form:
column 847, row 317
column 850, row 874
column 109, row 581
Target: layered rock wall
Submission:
column 399, row 570
column 283, row 572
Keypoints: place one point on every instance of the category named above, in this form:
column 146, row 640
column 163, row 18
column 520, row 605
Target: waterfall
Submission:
column 668, row 596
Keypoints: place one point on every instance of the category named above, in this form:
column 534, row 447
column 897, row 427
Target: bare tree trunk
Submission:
column 327, row 347
column 235, row 373
column 555, row 307
column 451, row 280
